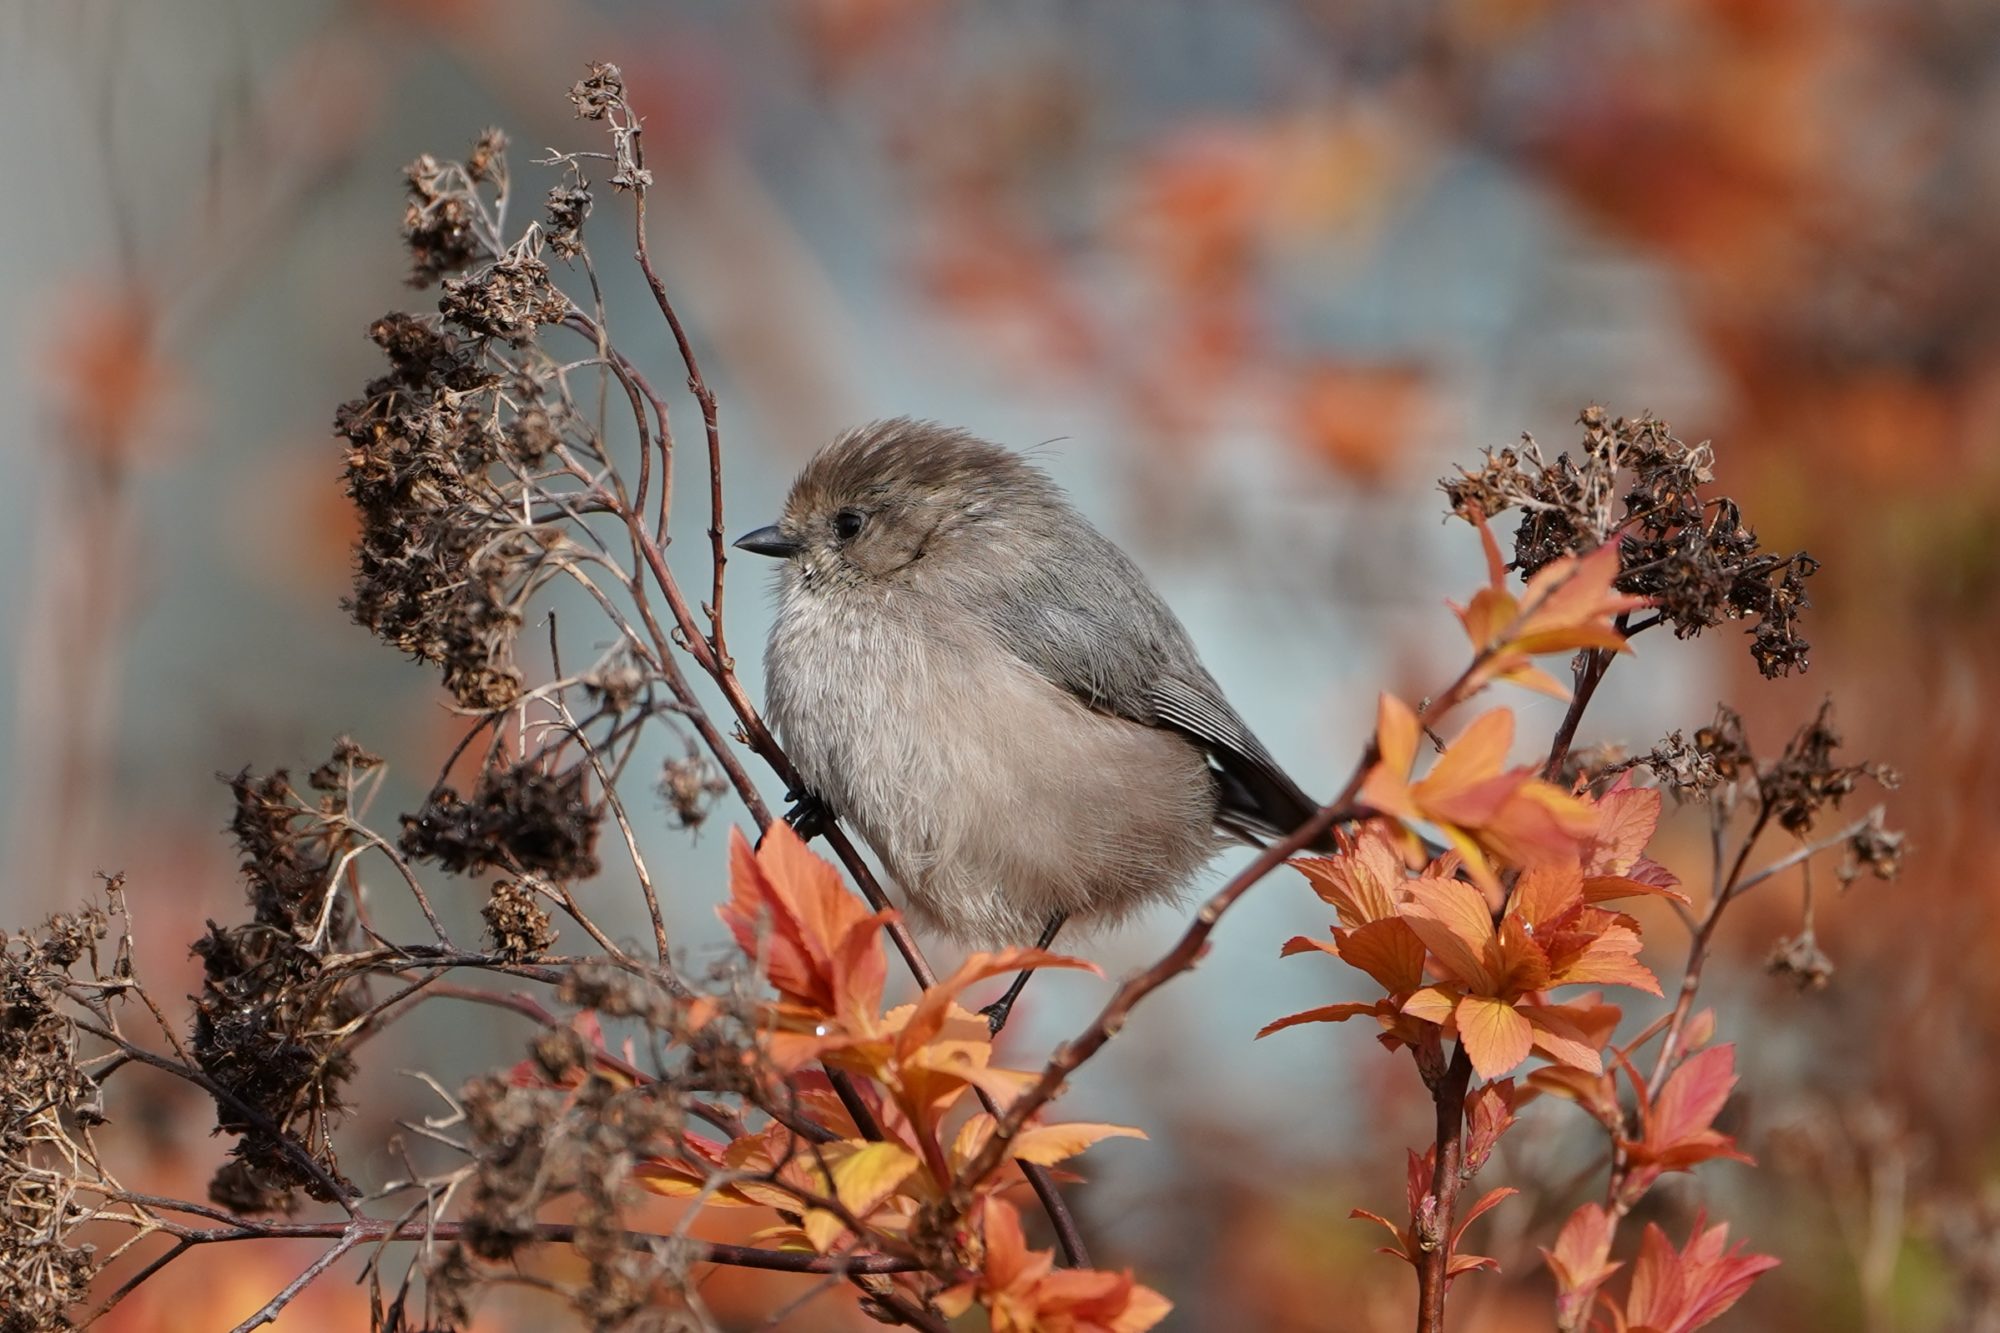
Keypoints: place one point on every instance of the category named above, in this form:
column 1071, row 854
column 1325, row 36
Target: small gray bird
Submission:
column 989, row 691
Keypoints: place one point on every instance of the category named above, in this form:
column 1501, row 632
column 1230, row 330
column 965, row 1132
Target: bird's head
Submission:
column 884, row 503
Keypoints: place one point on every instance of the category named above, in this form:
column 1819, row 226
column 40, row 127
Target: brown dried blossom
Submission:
column 600, row 91
column 521, row 818
column 507, row 299
column 427, row 578
column 1874, row 848
column 270, row 1021
column 568, row 1134
column 1799, row 959
column 569, row 206
column 441, row 224
column 516, row 922
column 1805, row 778
column 690, row 785
column 45, row 1265
column 1683, row 767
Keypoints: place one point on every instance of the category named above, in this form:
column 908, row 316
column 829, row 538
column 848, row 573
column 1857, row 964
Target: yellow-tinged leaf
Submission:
column 1045, row 1145
column 784, row 1238
column 869, row 1174
column 863, row 1176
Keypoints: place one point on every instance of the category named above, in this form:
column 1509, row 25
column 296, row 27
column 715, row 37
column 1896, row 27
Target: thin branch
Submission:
column 1182, row 957
column 268, row 1314
column 558, row 1233
column 1434, row 1235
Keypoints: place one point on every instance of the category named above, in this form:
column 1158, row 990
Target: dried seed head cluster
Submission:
column 1804, row 779
column 1799, row 959
column 1684, row 767
column 1874, row 848
column 600, row 95
column 561, row 1131
column 445, row 451
column 507, row 299
column 426, row 577
column 516, row 922
column 45, row 1265
column 568, row 207
column 522, row 818
column 1794, row 788
column 442, row 224
column 1693, row 556
column 269, row 1023
column 605, row 988
column 690, row 786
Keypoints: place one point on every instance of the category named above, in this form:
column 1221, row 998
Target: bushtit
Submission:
column 989, row 691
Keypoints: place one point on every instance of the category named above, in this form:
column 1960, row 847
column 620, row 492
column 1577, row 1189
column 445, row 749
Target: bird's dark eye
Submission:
column 847, row 524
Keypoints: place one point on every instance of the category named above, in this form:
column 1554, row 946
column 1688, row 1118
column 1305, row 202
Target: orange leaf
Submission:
column 1433, row 1004
column 1581, row 1261
column 928, row 1019
column 1045, row 1145
column 1561, row 1040
column 1330, row 1013
column 1480, row 806
column 1452, row 919
column 1685, row 1290
column 1387, row 950
column 817, row 943
column 1362, row 881
column 1494, row 1033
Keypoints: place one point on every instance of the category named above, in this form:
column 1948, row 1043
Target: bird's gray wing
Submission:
column 1095, row 627
column 1258, row 800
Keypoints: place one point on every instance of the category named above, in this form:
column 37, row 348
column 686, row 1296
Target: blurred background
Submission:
column 1248, row 279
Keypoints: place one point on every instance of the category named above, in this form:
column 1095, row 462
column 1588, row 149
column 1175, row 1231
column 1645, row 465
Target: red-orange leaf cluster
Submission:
column 1679, row 1291
column 1409, row 1246
column 1486, row 810
column 1024, row 1292
column 910, row 1069
column 1581, row 1262
column 1449, row 969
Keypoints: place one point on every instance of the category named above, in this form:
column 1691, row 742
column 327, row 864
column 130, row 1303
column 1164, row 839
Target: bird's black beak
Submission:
column 769, row 541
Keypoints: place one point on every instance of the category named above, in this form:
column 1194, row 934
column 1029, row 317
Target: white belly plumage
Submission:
column 993, row 797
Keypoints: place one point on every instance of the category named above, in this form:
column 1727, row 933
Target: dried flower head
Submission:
column 568, row 205
column 599, row 92
column 1873, row 847
column 507, row 299
column 521, row 818
column 1692, row 556
column 690, row 786
column 1684, row 767
column 45, row 1264
column 269, row 1021
column 1805, row 778
column 516, row 922
column 442, row 222
column 1800, row 959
